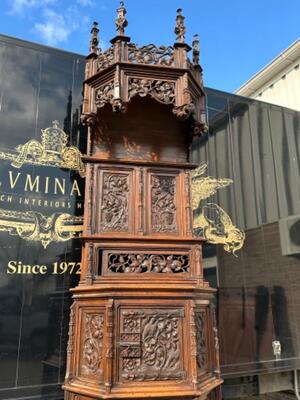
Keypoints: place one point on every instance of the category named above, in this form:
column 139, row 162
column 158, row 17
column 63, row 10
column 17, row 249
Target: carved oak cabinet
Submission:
column 142, row 324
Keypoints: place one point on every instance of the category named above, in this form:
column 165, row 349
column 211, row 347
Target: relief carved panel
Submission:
column 201, row 356
column 92, row 345
column 114, row 213
column 104, row 94
column 163, row 204
column 150, row 345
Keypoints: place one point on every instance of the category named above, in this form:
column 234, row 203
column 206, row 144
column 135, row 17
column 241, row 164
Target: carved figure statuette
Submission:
column 180, row 29
column 121, row 21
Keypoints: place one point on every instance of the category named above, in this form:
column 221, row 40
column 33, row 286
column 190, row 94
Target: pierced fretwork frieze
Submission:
column 151, row 345
column 200, row 340
column 151, row 54
column 91, row 357
column 162, row 91
column 163, row 203
column 105, row 59
column 115, row 198
column 143, row 263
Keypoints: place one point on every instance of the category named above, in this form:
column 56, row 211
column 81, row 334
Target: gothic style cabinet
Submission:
column 142, row 323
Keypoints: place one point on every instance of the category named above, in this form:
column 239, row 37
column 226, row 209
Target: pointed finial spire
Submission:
column 196, row 49
column 180, row 29
column 94, row 38
column 121, row 21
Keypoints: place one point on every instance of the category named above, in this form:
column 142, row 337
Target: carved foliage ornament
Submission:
column 105, row 59
column 92, row 344
column 150, row 345
column 140, row 263
column 163, row 208
column 184, row 111
column 115, row 196
column 162, row 91
column 151, row 54
column 200, row 340
column 104, row 94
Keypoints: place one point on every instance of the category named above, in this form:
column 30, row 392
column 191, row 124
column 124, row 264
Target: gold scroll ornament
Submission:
column 51, row 151
column 213, row 222
column 34, row 226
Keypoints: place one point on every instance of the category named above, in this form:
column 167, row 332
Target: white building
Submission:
column 279, row 81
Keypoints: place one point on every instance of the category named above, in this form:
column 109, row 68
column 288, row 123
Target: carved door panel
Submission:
column 150, row 343
column 92, row 329
column 203, row 324
column 163, row 207
column 115, row 200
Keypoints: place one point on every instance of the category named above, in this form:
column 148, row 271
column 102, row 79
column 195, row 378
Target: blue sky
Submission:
column 237, row 37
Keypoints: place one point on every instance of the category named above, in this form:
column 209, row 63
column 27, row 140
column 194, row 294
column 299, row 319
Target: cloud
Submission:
column 86, row 2
column 54, row 29
column 18, row 6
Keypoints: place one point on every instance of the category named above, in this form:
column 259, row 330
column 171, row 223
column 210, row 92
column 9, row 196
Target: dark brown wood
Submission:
column 142, row 323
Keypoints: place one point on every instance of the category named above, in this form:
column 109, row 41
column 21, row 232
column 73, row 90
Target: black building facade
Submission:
column 254, row 144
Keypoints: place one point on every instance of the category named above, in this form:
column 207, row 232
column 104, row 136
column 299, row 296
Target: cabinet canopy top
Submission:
column 126, row 70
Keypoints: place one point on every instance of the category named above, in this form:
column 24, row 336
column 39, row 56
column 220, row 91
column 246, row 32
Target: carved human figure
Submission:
column 180, row 29
column 121, row 21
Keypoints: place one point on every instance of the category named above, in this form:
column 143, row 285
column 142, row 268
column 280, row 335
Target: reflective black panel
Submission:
column 257, row 146
column 40, row 198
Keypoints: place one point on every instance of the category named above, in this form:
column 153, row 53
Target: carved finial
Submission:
column 180, row 29
column 121, row 21
column 55, row 124
column 94, row 38
column 196, row 49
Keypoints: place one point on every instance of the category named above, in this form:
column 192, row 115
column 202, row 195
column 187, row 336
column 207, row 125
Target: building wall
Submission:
column 257, row 146
column 283, row 89
column 279, row 81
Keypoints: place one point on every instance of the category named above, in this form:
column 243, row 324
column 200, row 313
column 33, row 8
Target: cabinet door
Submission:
column 115, row 200
column 164, row 200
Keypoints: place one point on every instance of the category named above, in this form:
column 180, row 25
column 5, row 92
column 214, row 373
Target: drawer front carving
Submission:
column 150, row 344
